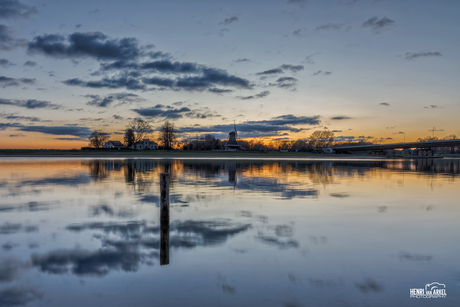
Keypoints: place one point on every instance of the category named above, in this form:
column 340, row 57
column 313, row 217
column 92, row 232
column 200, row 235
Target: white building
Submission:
column 113, row 145
column 146, row 145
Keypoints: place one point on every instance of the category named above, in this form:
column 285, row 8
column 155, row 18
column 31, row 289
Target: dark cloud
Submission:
column 106, row 101
column 297, row 32
column 260, row 95
column 122, row 82
column 18, row 296
column 159, row 55
column 31, row 104
column 7, row 81
column 118, row 117
column 412, row 56
column 285, row 82
column 15, row 9
column 274, row 127
column 81, row 132
column 4, row 126
column 433, row 106
column 219, row 90
column 211, row 77
column 270, row 72
column 384, row 104
column 166, row 66
column 230, row 20
column 340, row 117
column 320, row 72
column 30, row 64
column 162, row 82
column 7, row 41
column 5, row 63
column 80, row 45
column 162, row 112
column 369, row 285
column 18, row 117
column 330, row 26
column 292, row 68
column 377, row 24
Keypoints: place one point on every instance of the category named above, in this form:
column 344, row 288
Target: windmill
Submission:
column 232, row 144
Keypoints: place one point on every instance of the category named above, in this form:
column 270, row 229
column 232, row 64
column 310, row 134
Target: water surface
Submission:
column 86, row 232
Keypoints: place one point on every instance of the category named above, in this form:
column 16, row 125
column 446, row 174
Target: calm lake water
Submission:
column 86, row 232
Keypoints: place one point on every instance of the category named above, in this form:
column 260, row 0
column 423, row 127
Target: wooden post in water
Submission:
column 164, row 219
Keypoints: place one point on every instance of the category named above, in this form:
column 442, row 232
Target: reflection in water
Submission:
column 240, row 232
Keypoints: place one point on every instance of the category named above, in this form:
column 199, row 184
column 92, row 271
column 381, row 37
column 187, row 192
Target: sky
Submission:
column 384, row 71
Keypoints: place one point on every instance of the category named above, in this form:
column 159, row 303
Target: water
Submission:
column 242, row 233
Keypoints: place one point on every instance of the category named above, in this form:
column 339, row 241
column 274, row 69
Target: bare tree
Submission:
column 98, row 138
column 168, row 135
column 140, row 128
column 321, row 138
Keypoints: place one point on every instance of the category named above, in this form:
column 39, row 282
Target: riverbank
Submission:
column 160, row 154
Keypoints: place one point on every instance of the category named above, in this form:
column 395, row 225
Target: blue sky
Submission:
column 280, row 69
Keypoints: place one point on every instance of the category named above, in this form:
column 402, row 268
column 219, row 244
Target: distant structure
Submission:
column 146, row 144
column 232, row 144
column 113, row 145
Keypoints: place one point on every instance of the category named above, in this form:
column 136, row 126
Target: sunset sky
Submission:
column 280, row 69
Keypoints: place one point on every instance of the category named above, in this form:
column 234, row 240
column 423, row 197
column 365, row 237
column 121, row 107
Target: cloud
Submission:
column 5, row 63
column 106, row 101
column 219, row 90
column 31, row 104
column 281, row 69
column 18, row 117
column 297, row 32
column 7, row 41
column 340, row 117
column 81, row 132
column 81, row 45
column 377, row 24
column 241, row 60
column 15, row 296
column 386, row 104
column 122, row 82
column 15, row 9
column 412, row 56
column 320, row 72
column 163, row 112
column 30, row 64
column 17, row 135
column 228, row 21
column 432, row 106
column 285, row 82
column 273, row 127
column 6, row 81
column 330, row 26
column 260, row 95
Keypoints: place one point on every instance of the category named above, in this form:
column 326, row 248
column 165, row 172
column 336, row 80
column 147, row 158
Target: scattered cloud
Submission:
column 412, row 56
column 285, row 82
column 15, row 9
column 260, row 95
column 386, row 104
column 241, row 60
column 219, row 90
column 340, row 117
column 104, row 102
column 377, row 24
column 230, row 20
column 31, row 104
column 30, row 64
column 7, row 81
column 330, row 26
column 281, row 69
column 81, row 132
column 80, row 45
column 5, row 63
column 17, row 135
column 10, row 116
column 162, row 111
column 7, row 41
column 270, row 72
column 320, row 72
column 433, row 106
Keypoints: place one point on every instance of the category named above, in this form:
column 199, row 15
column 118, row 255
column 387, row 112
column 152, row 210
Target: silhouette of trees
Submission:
column 98, row 138
column 140, row 128
column 129, row 138
column 168, row 135
column 321, row 138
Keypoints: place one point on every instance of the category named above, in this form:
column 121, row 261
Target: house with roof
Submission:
column 113, row 145
column 146, row 144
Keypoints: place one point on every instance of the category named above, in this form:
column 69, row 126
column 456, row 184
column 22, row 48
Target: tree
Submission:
column 140, row 128
column 129, row 138
column 168, row 134
column 321, row 138
column 98, row 138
